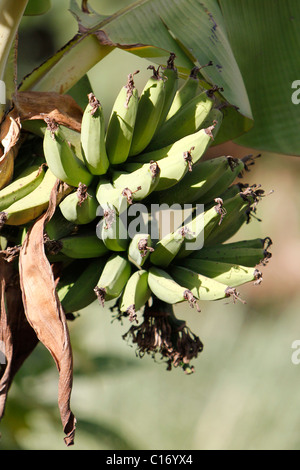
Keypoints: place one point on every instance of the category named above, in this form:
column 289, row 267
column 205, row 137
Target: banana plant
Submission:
column 195, row 33
column 152, row 28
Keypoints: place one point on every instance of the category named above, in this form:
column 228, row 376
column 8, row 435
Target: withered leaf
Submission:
column 44, row 311
column 62, row 109
column 17, row 337
column 10, row 131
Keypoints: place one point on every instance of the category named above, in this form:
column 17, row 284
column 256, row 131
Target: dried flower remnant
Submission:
column 162, row 333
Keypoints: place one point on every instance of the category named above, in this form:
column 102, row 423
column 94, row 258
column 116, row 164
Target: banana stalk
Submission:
column 63, row 70
column 10, row 16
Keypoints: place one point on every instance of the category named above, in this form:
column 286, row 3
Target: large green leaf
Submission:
column 194, row 31
column 265, row 38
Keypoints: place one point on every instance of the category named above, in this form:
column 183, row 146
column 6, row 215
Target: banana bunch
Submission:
column 149, row 159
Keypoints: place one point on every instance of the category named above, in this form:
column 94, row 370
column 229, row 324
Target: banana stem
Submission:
column 10, row 16
column 67, row 66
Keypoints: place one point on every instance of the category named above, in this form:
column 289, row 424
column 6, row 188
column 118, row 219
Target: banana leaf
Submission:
column 253, row 45
column 195, row 32
column 265, row 39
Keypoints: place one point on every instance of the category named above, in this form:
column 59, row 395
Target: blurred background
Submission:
column 244, row 392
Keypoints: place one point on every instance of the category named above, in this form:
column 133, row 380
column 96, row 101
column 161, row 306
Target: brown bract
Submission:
column 44, row 311
column 17, row 337
column 62, row 109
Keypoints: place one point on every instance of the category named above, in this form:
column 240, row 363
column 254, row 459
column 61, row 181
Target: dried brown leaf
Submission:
column 17, row 337
column 62, row 109
column 44, row 311
column 10, row 131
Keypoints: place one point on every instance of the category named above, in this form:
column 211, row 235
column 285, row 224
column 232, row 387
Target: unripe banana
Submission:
column 139, row 249
column 93, row 137
column 199, row 228
column 83, row 245
column 187, row 91
column 149, row 111
column 166, row 289
column 173, row 169
column 121, row 123
column 112, row 231
column 202, row 287
column 168, row 247
column 58, row 227
column 175, row 166
column 195, row 185
column 236, row 211
column 200, row 141
column 171, row 84
column 33, row 205
column 6, row 168
column 76, row 285
column 80, row 207
column 220, row 188
column 188, row 120
column 226, row 273
column 61, row 159
column 135, row 295
column 28, row 180
column 140, row 182
column 246, row 252
column 107, row 194
column 113, row 278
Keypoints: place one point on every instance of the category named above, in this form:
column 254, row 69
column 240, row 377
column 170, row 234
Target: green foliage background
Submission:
column 244, row 394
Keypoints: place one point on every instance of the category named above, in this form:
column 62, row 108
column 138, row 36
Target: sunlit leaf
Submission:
column 265, row 39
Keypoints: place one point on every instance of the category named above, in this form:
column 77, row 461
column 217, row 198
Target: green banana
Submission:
column 199, row 141
column 247, row 252
column 226, row 273
column 61, row 159
column 168, row 247
column 171, row 84
column 113, row 278
column 199, row 228
column 33, row 205
column 93, row 137
column 135, row 294
column 58, row 227
column 217, row 190
column 187, row 120
column 236, row 211
column 139, row 249
column 202, row 287
column 106, row 194
column 163, row 286
column 80, row 207
column 188, row 90
column 175, row 166
column 111, row 230
column 75, row 288
column 195, row 185
column 140, row 182
column 121, row 123
column 150, row 107
column 222, row 187
column 28, row 180
column 83, row 245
